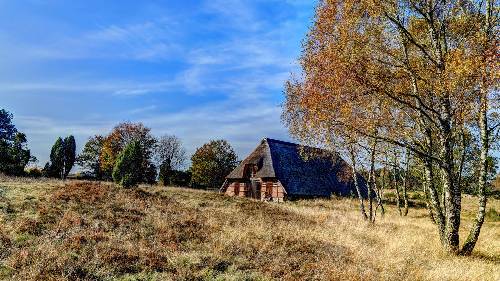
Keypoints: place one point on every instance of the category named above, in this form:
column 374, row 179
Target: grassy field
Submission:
column 52, row 230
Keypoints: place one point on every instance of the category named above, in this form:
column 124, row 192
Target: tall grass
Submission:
column 53, row 230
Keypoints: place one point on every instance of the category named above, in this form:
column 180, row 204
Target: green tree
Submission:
column 122, row 135
column 62, row 158
column 20, row 155
column 14, row 154
column 69, row 154
column 127, row 170
column 90, row 158
column 55, row 168
column 7, row 129
column 211, row 163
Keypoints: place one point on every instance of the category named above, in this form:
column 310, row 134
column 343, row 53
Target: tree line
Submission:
column 407, row 86
column 128, row 155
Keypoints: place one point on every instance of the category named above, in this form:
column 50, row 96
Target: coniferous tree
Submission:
column 55, row 167
column 62, row 158
column 122, row 135
column 69, row 154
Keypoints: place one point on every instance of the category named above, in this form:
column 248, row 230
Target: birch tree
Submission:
column 418, row 70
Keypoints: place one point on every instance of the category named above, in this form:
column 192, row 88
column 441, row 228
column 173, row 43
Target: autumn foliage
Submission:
column 211, row 163
column 122, row 135
column 415, row 75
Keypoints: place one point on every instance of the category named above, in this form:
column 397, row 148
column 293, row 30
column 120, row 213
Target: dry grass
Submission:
column 88, row 231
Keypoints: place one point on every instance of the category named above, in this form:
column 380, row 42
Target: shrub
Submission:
column 127, row 170
column 34, row 173
column 180, row 178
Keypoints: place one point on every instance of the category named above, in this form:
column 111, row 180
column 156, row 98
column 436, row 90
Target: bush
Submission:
column 180, row 178
column 127, row 170
column 34, row 173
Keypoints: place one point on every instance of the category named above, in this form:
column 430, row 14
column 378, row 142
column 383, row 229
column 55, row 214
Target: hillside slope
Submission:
column 90, row 231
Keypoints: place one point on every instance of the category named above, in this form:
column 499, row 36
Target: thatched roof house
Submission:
column 277, row 170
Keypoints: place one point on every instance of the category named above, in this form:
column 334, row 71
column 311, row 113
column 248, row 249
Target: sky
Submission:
column 201, row 70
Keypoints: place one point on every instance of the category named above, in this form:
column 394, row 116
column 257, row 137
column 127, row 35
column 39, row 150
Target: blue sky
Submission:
column 198, row 69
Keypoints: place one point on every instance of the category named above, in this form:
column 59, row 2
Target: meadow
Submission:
column 76, row 230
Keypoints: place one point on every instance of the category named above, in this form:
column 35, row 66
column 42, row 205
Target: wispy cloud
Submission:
column 211, row 70
column 142, row 110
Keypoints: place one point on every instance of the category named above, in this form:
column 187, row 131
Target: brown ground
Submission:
column 87, row 231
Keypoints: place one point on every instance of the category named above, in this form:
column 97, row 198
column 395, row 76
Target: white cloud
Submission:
column 246, row 68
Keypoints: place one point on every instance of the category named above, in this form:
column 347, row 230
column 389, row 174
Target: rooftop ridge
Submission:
column 292, row 144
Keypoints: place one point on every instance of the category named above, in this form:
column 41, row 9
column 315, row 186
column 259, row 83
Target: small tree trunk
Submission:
column 380, row 195
column 372, row 181
column 356, row 185
column 471, row 240
column 462, row 159
column 405, row 184
column 434, row 199
column 428, row 204
column 396, row 188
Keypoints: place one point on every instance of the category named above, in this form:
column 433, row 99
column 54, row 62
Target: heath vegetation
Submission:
column 77, row 230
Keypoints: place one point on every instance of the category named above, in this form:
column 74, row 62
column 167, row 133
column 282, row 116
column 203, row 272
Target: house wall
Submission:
column 240, row 189
column 271, row 190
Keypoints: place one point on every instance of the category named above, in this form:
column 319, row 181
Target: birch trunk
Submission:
column 372, row 181
column 471, row 240
column 380, row 195
column 434, row 199
column 452, row 193
column 405, row 183
column 427, row 203
column 395, row 181
column 356, row 185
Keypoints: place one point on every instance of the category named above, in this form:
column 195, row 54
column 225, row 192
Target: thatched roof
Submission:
column 302, row 170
